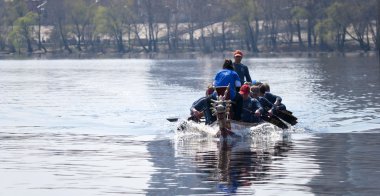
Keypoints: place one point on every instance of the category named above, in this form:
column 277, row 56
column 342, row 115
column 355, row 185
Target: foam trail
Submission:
column 190, row 129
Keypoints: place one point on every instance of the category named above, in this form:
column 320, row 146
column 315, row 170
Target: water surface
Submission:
column 98, row 127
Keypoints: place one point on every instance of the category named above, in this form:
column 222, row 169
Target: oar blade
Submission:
column 172, row 119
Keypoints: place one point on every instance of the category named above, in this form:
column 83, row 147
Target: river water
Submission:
column 98, row 127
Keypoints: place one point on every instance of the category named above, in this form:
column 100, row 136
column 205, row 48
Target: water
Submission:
column 98, row 127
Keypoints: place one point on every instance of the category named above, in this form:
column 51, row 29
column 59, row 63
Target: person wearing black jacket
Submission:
column 241, row 69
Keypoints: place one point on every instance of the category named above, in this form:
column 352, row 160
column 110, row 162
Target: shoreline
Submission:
column 183, row 55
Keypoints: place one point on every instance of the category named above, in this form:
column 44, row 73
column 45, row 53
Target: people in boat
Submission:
column 274, row 99
column 240, row 68
column 252, row 109
column 202, row 108
column 265, row 104
column 269, row 107
column 227, row 76
column 277, row 108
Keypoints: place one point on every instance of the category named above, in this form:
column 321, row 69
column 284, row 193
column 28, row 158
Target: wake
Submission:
column 263, row 131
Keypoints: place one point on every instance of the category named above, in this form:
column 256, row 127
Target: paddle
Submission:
column 285, row 115
column 272, row 119
column 172, row 119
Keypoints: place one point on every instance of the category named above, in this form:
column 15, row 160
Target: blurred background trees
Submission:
column 169, row 26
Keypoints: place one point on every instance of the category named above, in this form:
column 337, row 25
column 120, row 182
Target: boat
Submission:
column 226, row 127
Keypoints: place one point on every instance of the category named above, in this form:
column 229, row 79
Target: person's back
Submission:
column 250, row 106
column 227, row 76
column 265, row 103
column 271, row 97
column 201, row 107
column 274, row 99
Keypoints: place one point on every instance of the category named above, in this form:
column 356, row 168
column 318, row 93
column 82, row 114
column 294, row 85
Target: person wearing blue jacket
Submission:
column 228, row 77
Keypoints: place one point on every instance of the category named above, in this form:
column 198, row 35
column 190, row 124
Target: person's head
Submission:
column 238, row 55
column 267, row 88
column 256, row 83
column 245, row 91
column 228, row 64
column 263, row 89
column 210, row 90
column 255, row 91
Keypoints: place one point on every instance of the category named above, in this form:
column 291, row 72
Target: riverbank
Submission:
column 183, row 55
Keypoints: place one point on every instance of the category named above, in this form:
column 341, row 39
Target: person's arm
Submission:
column 196, row 113
column 281, row 107
column 276, row 105
column 266, row 105
column 259, row 109
column 247, row 76
column 237, row 80
column 198, row 107
column 237, row 83
column 276, row 100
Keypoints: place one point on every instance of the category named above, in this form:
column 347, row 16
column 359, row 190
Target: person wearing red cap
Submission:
column 240, row 68
column 252, row 109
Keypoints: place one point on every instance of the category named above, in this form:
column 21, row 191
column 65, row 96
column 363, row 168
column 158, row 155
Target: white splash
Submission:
column 190, row 129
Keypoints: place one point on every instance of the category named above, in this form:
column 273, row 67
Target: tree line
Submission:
column 122, row 26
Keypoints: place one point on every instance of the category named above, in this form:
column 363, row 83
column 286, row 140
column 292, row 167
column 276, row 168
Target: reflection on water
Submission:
column 210, row 166
column 324, row 164
column 86, row 164
column 233, row 168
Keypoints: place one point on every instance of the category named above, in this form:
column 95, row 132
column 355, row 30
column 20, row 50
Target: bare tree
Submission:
column 59, row 19
column 80, row 16
column 248, row 12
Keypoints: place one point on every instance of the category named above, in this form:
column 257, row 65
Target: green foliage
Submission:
column 29, row 19
column 22, row 29
column 79, row 11
column 112, row 20
column 338, row 13
column 243, row 10
column 323, row 29
column 15, row 39
column 334, row 24
column 17, row 9
column 299, row 13
column 100, row 20
column 250, row 22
